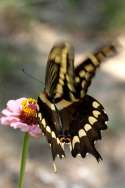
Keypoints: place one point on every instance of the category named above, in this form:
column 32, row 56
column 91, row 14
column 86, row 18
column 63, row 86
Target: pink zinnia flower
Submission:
column 21, row 113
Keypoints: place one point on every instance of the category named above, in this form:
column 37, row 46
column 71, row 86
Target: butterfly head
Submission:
column 65, row 139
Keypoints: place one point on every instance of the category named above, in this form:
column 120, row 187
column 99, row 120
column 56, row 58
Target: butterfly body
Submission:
column 66, row 113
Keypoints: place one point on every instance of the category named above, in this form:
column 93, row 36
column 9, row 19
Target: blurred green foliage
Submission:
column 113, row 14
column 97, row 15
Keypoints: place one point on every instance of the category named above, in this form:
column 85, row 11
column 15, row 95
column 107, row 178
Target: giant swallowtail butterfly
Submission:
column 66, row 113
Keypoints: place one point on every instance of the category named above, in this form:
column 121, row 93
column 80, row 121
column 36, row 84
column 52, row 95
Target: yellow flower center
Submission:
column 29, row 106
column 28, row 112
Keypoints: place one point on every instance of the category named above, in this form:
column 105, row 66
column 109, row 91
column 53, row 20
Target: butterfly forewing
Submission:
column 87, row 69
column 60, row 71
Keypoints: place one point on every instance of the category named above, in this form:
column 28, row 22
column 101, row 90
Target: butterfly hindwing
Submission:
column 45, row 120
column 89, row 119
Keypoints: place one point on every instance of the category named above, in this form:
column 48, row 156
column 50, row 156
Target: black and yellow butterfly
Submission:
column 66, row 114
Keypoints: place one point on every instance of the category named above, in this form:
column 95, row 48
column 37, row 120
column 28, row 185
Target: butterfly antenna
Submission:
column 34, row 78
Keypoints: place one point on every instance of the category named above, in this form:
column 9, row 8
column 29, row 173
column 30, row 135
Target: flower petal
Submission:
column 8, row 120
column 15, row 125
column 14, row 105
column 6, row 112
column 25, row 127
column 35, row 131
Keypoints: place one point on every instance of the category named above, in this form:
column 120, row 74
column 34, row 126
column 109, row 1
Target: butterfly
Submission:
column 66, row 113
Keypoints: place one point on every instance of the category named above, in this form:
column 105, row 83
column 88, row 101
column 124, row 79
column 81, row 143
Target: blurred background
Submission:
column 28, row 30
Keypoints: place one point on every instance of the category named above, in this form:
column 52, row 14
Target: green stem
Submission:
column 23, row 160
